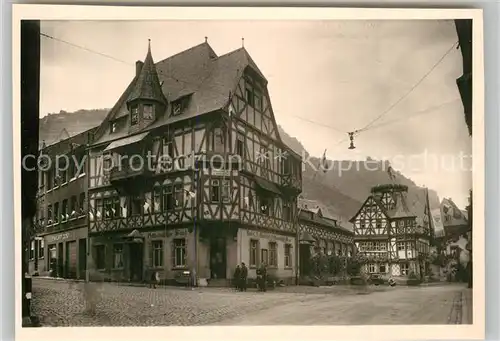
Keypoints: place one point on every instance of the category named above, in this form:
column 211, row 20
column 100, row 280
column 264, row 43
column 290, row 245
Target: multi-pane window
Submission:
column 64, row 210
column 168, row 147
column 148, row 111
column 168, row 199
column 49, row 214
column 287, row 211
column 288, row 256
column 100, row 257
column 179, row 195
column 218, row 139
column 157, row 246
column 107, row 205
column 113, row 127
column 32, row 249
column 372, row 268
column 254, row 252
column 405, row 269
column 177, row 108
column 265, row 205
column 135, row 206
column 249, row 95
column 240, row 145
column 179, row 249
column 134, row 115
column 98, row 208
column 118, row 256
column 157, row 200
column 215, row 191
column 273, row 254
column 72, row 206
column 41, row 246
column 56, row 212
column 226, row 190
column 81, row 203
column 322, row 246
column 50, row 179
column 401, row 246
column 253, row 96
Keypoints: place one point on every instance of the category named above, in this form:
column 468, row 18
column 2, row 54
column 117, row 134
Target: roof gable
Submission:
column 370, row 201
column 452, row 215
column 197, row 71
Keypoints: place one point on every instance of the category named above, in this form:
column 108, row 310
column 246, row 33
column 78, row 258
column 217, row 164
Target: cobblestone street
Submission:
column 60, row 303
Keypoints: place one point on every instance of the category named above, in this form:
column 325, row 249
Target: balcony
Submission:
column 128, row 171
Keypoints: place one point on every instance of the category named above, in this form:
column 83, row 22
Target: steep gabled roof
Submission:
column 198, row 72
column 401, row 210
column 377, row 202
column 452, row 214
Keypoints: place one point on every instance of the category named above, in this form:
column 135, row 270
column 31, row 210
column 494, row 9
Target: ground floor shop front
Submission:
column 60, row 254
column 395, row 268
column 209, row 253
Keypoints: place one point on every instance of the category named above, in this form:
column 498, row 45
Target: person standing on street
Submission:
column 237, row 277
column 243, row 277
column 263, row 277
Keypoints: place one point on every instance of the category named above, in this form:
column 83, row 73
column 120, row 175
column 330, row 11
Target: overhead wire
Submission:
column 453, row 46
column 369, row 126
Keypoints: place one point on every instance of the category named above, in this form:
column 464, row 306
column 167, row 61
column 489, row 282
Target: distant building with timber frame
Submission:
column 320, row 232
column 217, row 187
column 391, row 236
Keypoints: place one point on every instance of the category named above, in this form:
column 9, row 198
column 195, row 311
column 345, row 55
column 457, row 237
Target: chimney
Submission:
column 138, row 67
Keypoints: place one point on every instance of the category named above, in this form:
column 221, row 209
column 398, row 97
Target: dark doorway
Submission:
column 218, row 258
column 304, row 257
column 82, row 257
column 135, row 261
column 60, row 260
column 70, row 268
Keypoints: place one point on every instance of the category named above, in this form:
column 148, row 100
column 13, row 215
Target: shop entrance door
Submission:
column 135, row 261
column 82, row 257
column 218, row 258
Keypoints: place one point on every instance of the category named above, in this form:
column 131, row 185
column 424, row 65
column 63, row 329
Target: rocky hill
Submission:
column 340, row 192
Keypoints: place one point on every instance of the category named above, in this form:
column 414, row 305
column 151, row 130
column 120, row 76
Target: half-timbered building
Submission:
column 323, row 233
column 60, row 246
column 188, row 172
column 391, row 236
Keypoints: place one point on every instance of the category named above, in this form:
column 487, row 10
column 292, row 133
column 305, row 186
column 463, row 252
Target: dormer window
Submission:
column 148, row 111
column 134, row 116
column 113, row 127
column 177, row 109
column 253, row 95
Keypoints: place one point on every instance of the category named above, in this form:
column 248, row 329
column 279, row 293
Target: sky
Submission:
column 326, row 78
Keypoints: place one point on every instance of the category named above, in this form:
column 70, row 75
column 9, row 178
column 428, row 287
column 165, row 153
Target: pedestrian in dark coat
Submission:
column 243, row 277
column 263, row 277
column 237, row 277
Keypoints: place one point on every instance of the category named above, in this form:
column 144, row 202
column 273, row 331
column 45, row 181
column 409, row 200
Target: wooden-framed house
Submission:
column 188, row 172
column 393, row 238
column 321, row 233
